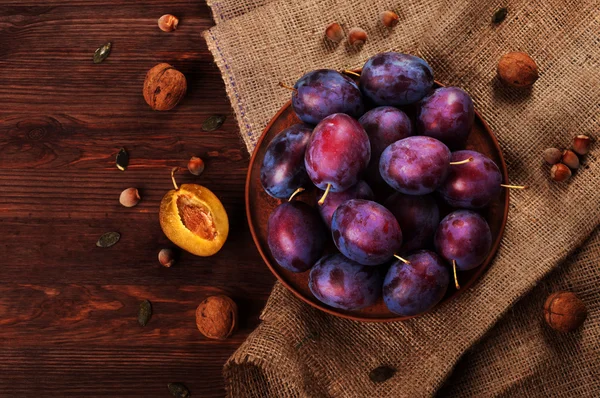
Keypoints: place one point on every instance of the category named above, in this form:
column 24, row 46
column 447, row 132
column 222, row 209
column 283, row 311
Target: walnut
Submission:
column 216, row 317
column 517, row 70
column 164, row 87
column 564, row 311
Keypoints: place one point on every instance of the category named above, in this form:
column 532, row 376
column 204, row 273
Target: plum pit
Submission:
column 196, row 217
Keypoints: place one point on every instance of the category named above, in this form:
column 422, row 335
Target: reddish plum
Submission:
column 418, row 217
column 447, row 115
column 395, row 79
column 342, row 283
column 366, row 232
column 296, row 236
column 338, row 153
column 334, row 199
column 465, row 237
column 282, row 170
column 415, row 165
column 472, row 185
column 411, row 289
column 323, row 92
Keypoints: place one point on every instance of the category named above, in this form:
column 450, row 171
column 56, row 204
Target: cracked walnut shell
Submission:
column 517, row 69
column 164, row 87
column 564, row 311
column 216, row 317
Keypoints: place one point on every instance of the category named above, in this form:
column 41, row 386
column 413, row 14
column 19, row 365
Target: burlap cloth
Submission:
column 493, row 336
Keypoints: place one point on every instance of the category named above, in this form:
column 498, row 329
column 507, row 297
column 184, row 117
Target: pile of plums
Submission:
column 380, row 175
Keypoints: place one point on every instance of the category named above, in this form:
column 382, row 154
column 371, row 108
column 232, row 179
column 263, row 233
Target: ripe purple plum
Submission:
column 342, row 283
column 338, row 153
column 447, row 115
column 334, row 199
column 282, row 170
column 323, row 92
column 415, row 165
column 465, row 237
column 472, row 185
column 366, row 232
column 395, row 79
column 411, row 289
column 418, row 217
column 384, row 126
column 296, row 236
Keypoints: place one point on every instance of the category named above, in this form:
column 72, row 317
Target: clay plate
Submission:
column 259, row 206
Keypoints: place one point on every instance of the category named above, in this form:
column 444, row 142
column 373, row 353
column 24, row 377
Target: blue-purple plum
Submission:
column 338, row 153
column 415, row 165
column 334, row 199
column 411, row 289
column 395, row 79
column 366, row 232
column 342, row 283
column 282, row 170
column 418, row 217
column 472, row 185
column 296, row 236
column 384, row 126
column 465, row 237
column 323, row 92
column 447, row 115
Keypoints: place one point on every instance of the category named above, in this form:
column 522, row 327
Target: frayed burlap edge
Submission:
column 239, row 110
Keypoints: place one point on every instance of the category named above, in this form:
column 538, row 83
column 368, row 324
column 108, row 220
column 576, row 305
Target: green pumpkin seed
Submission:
column 145, row 313
column 178, row 390
column 213, row 123
column 102, row 53
column 499, row 15
column 122, row 159
column 381, row 374
column 108, row 239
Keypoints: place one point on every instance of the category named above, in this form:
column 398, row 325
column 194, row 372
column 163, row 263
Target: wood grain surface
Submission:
column 68, row 310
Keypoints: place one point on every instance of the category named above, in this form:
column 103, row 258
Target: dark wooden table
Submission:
column 68, row 310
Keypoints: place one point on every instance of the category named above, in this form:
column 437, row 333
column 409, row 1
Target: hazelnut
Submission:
column 570, row 159
column 164, row 87
column 517, row 69
column 581, row 144
column 334, row 32
column 216, row 317
column 357, row 37
column 166, row 257
column 389, row 18
column 552, row 155
column 129, row 197
column 564, row 311
column 196, row 166
column 168, row 23
column 560, row 172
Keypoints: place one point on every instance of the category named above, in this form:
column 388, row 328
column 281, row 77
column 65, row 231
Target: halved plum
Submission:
column 193, row 218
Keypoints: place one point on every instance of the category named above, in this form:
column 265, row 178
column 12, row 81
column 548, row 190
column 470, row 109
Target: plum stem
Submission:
column 455, row 276
column 514, row 186
column 349, row 72
column 296, row 192
column 173, row 170
column 322, row 200
column 281, row 84
column 461, row 161
column 405, row 261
